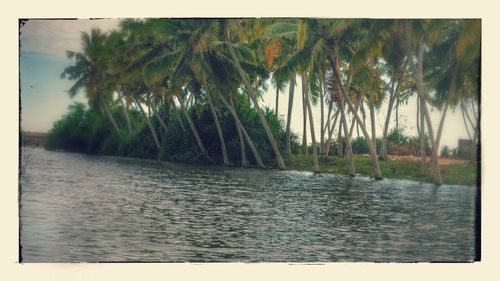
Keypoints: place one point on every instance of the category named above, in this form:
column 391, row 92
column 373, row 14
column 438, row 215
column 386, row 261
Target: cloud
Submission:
column 54, row 36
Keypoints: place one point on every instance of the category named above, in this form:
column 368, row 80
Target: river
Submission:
column 84, row 208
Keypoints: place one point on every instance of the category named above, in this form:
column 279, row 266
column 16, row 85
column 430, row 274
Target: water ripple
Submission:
column 79, row 208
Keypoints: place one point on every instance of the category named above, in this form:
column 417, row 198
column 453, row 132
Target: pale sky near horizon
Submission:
column 44, row 100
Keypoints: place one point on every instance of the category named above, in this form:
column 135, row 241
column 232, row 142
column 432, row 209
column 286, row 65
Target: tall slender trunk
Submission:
column 157, row 116
column 108, row 112
column 373, row 155
column 179, row 117
column 125, row 112
column 243, row 130
column 251, row 93
column 289, row 117
column 304, row 127
column 277, row 99
column 322, row 120
column 383, row 147
column 421, row 119
column 194, row 130
column 244, row 161
column 349, row 154
column 395, row 86
column 311, row 123
column 462, row 109
column 148, row 123
column 372, row 118
column 397, row 118
column 341, row 124
column 418, row 69
column 330, row 134
column 217, row 125
column 324, row 151
column 451, row 91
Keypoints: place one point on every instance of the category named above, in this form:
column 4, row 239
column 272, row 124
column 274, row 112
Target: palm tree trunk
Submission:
column 417, row 69
column 392, row 99
column 277, row 100
column 244, row 161
column 194, row 130
column 451, row 91
column 243, row 130
column 373, row 155
column 148, row 123
column 179, row 116
column 462, row 109
column 349, row 154
column 311, row 122
column 304, row 128
column 423, row 154
column 125, row 113
column 341, row 123
column 289, row 117
column 157, row 116
column 324, row 151
column 108, row 113
column 217, row 125
column 250, row 92
column 322, row 121
column 372, row 118
column 330, row 134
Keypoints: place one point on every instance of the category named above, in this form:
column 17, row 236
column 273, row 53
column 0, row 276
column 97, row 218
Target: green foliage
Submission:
column 87, row 131
column 448, row 152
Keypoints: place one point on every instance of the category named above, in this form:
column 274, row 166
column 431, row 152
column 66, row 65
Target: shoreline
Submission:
column 454, row 171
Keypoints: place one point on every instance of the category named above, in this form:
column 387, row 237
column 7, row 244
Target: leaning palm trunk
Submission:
column 322, row 121
column 194, row 130
column 148, row 123
column 350, row 158
column 277, row 100
column 289, row 117
column 373, row 155
column 243, row 130
column 311, row 122
column 251, row 93
column 108, row 113
column 446, row 106
column 372, row 118
column 339, row 137
column 157, row 116
column 394, row 92
column 330, row 134
column 326, row 143
column 244, row 161
column 417, row 69
column 421, row 133
column 125, row 112
column 217, row 125
column 304, row 119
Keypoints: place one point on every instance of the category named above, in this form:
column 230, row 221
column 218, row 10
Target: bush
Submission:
column 86, row 130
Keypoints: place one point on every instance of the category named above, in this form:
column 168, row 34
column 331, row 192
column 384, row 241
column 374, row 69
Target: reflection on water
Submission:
column 80, row 208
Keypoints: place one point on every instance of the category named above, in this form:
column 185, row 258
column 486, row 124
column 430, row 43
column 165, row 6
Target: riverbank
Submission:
column 454, row 172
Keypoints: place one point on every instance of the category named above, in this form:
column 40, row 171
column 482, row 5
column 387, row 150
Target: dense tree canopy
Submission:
column 203, row 79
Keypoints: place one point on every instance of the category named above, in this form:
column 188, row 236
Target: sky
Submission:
column 44, row 98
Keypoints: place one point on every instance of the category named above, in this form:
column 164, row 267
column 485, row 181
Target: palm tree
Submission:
column 90, row 72
column 459, row 41
column 250, row 91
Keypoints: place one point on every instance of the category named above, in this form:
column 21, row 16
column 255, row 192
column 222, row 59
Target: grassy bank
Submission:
column 460, row 173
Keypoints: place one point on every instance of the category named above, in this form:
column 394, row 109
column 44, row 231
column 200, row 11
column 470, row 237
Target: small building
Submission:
column 466, row 149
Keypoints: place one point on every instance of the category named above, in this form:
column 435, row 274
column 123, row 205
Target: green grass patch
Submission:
column 460, row 174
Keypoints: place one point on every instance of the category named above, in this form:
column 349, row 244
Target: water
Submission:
column 80, row 208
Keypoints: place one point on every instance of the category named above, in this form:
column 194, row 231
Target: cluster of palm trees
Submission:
column 344, row 64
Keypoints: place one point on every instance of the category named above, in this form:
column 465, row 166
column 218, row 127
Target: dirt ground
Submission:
column 443, row 162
